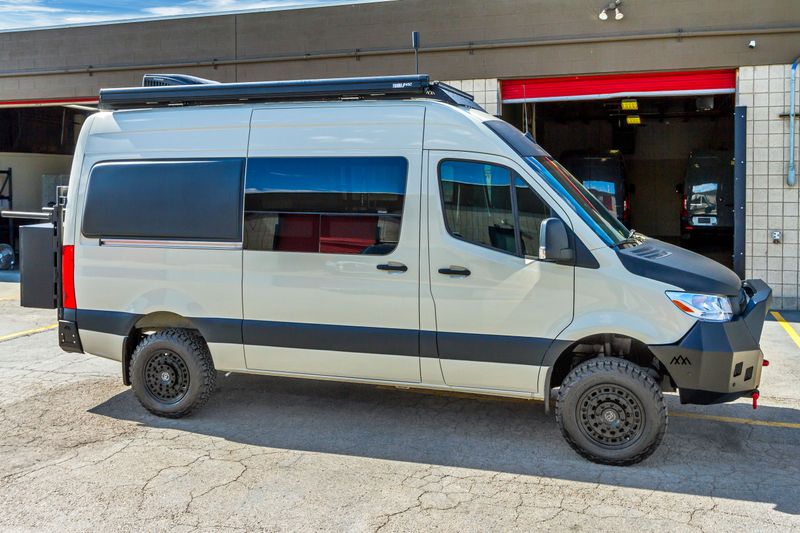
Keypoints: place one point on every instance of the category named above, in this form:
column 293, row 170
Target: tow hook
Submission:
column 765, row 363
column 755, row 399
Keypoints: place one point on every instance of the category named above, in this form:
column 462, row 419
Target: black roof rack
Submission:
column 161, row 90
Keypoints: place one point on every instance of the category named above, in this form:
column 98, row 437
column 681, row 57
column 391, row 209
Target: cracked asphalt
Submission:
column 78, row 453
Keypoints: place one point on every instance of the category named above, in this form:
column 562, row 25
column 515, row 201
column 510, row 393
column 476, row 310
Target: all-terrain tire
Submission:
column 611, row 411
column 172, row 372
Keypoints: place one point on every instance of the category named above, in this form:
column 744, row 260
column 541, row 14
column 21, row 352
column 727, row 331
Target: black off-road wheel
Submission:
column 172, row 372
column 611, row 411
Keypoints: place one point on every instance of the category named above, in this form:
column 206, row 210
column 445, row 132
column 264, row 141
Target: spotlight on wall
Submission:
column 612, row 6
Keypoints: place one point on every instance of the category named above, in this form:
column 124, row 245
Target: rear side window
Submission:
column 180, row 200
column 329, row 205
column 481, row 207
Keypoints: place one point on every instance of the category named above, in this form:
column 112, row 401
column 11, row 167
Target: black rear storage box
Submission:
column 37, row 250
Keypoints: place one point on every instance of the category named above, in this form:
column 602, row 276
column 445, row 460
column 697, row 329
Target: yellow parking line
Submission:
column 733, row 420
column 27, row 332
column 788, row 327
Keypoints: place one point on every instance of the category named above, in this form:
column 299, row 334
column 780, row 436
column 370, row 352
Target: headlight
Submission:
column 702, row 306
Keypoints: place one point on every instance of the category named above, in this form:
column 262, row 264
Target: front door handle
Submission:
column 393, row 267
column 453, row 270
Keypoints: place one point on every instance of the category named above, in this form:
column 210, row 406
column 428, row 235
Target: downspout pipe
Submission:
column 791, row 179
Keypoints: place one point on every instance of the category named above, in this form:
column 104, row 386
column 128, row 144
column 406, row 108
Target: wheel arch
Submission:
column 563, row 357
column 154, row 321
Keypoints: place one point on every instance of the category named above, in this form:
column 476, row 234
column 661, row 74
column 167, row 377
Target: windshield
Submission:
column 583, row 202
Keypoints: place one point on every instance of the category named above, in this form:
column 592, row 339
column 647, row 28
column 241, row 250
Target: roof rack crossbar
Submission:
column 185, row 91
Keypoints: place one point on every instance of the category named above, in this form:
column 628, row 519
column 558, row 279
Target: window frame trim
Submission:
column 514, row 208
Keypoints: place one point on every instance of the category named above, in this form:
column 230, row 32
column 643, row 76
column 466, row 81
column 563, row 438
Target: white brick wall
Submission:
column 771, row 204
column 485, row 90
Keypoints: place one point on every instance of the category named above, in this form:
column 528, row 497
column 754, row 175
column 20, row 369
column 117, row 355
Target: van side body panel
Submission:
column 128, row 281
column 297, row 303
column 495, row 325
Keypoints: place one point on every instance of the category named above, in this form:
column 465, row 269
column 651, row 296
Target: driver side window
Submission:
column 481, row 207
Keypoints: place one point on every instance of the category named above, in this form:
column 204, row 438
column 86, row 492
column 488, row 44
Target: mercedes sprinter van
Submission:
column 384, row 231
column 707, row 203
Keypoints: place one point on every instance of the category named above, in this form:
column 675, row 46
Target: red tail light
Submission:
column 684, row 210
column 68, row 277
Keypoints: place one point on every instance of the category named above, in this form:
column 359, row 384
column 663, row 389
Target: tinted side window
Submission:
column 342, row 205
column 477, row 203
column 479, row 208
column 181, row 200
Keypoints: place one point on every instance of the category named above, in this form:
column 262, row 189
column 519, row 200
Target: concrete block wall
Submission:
column 770, row 203
column 485, row 90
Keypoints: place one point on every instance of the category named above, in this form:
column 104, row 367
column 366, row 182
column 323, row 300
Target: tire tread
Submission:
column 610, row 365
column 198, row 347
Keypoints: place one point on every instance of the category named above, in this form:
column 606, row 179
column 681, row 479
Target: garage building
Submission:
column 667, row 92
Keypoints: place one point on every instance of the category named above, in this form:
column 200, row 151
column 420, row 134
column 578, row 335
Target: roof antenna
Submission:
column 415, row 45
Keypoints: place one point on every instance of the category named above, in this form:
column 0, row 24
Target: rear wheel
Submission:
column 611, row 411
column 172, row 372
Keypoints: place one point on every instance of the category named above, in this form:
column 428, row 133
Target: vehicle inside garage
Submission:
column 663, row 163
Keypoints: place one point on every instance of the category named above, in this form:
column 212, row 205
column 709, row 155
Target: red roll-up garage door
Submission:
column 684, row 83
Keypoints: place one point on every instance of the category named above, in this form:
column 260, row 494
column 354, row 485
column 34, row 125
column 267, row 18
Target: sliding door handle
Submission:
column 393, row 267
column 455, row 271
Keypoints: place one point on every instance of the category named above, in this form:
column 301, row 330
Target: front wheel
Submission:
column 611, row 411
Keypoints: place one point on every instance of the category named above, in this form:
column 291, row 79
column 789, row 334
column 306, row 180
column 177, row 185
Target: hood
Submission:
column 677, row 266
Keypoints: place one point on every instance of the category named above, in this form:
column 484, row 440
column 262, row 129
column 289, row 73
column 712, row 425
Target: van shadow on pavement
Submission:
column 697, row 457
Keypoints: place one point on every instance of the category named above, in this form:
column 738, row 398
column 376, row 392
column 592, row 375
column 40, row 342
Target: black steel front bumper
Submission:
column 717, row 362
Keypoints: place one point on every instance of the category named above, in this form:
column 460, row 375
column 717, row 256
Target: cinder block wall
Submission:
column 771, row 203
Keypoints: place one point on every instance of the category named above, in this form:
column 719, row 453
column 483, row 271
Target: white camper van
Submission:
column 386, row 231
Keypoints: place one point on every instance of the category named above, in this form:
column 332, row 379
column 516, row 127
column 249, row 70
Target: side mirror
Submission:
column 554, row 242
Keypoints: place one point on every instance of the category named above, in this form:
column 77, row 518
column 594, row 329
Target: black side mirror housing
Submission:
column 554, row 242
